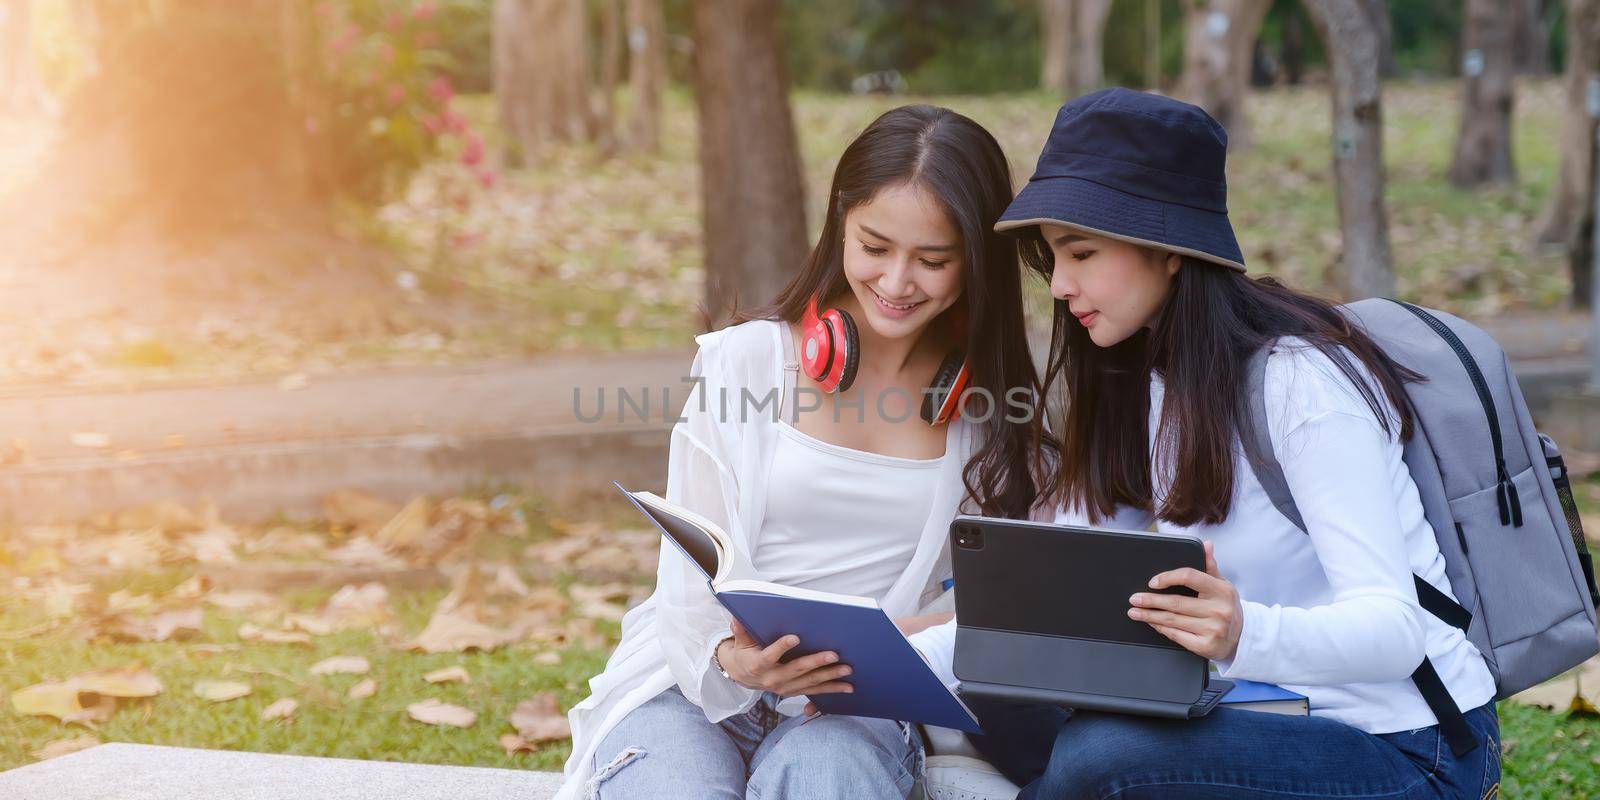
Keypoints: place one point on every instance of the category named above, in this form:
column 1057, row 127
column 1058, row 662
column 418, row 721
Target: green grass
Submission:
column 326, row 724
column 1546, row 754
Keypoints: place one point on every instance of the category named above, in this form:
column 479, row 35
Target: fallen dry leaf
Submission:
column 62, row 747
column 407, row 528
column 456, row 674
column 221, row 691
column 454, row 630
column 167, row 625
column 214, row 545
column 87, row 697
column 434, row 712
column 314, row 625
column 251, row 632
column 241, row 599
column 539, row 720
column 91, row 439
column 353, row 509
column 363, row 690
column 548, row 658
column 341, row 665
column 366, row 605
column 283, row 709
column 194, row 588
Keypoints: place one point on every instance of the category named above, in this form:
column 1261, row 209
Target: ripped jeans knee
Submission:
column 628, row 755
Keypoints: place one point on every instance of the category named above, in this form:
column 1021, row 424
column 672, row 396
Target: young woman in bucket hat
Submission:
column 850, row 489
column 1155, row 319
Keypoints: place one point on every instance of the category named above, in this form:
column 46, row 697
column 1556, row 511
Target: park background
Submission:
column 299, row 293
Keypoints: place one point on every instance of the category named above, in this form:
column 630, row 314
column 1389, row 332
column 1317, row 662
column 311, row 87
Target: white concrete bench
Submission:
column 148, row 772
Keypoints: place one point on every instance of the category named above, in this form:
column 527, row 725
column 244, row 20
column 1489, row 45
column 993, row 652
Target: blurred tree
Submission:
column 1220, row 37
column 611, row 42
column 21, row 91
column 1483, row 146
column 1351, row 39
column 647, row 72
column 752, row 198
column 1577, row 130
column 1572, row 204
column 1073, row 34
column 1530, row 37
column 541, row 74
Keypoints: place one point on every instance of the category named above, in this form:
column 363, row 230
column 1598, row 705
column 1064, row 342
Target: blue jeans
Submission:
column 1231, row 754
column 666, row 748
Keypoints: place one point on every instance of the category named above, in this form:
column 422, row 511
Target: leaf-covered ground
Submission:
column 475, row 622
column 583, row 252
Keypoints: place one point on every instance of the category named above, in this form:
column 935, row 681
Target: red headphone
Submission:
column 830, row 351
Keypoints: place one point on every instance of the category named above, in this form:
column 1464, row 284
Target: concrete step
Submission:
column 150, row 772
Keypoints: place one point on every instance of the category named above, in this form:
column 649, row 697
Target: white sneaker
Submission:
column 965, row 778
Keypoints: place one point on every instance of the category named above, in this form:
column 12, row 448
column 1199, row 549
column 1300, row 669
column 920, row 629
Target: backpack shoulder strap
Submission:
column 1256, row 439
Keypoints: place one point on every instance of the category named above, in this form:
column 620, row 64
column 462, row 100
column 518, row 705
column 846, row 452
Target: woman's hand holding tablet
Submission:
column 1208, row 625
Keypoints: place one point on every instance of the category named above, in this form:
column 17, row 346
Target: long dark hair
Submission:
column 961, row 165
column 1213, row 319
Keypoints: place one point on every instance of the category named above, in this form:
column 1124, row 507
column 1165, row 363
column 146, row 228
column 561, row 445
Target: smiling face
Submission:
column 903, row 259
column 1112, row 287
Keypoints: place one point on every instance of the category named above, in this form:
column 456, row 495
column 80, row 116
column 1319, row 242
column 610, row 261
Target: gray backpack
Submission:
column 1494, row 489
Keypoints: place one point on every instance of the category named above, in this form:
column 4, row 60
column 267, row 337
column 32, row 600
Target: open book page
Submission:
column 765, row 587
column 702, row 540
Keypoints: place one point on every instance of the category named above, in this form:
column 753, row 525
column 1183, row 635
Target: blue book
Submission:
column 890, row 678
column 1253, row 696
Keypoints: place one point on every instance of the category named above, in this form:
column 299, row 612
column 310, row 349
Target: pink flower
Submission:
column 472, row 156
column 440, row 89
column 426, row 39
column 394, row 21
column 386, row 50
column 433, row 123
column 486, row 178
column 425, row 10
column 397, row 94
column 345, row 41
column 455, row 122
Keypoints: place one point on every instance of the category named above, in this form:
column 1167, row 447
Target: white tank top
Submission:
column 841, row 520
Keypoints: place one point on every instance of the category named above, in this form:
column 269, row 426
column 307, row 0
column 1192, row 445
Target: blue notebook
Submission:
column 891, row 679
column 1253, row 696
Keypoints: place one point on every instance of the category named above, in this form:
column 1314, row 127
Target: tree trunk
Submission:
column 1530, row 38
column 21, row 90
column 1088, row 37
column 610, row 74
column 1483, row 147
column 1379, row 11
column 541, row 73
column 1055, row 25
column 752, row 198
column 1074, row 32
column 1577, row 126
column 1152, row 44
column 1219, row 38
column 647, row 72
column 1294, row 47
column 1350, row 37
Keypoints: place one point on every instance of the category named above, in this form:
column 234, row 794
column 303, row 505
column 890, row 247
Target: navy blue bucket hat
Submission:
column 1137, row 167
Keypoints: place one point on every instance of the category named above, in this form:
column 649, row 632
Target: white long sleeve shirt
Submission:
column 720, row 462
column 1332, row 615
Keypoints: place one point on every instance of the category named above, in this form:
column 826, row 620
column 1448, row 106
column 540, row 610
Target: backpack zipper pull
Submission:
column 1510, row 503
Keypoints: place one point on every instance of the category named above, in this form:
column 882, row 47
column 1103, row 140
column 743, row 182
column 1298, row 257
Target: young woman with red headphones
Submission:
column 901, row 367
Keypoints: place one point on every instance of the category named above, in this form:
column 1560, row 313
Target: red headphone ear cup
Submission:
column 852, row 349
column 940, row 404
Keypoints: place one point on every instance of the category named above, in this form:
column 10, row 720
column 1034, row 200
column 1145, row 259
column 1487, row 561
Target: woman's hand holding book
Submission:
column 753, row 666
